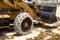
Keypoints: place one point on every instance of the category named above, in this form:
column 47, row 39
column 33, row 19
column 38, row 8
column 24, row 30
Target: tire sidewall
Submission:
column 20, row 19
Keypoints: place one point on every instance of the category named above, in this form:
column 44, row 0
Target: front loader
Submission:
column 22, row 14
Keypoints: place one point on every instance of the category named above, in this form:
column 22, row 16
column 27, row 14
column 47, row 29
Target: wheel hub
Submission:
column 26, row 24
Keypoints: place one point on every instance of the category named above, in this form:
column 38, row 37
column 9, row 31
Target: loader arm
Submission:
column 37, row 10
column 7, row 2
column 23, row 5
column 27, row 8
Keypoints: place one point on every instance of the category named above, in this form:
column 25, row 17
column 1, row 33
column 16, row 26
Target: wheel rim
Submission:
column 26, row 24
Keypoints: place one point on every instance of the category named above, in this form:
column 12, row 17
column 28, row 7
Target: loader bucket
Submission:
column 48, row 14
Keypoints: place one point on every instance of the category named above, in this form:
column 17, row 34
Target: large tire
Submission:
column 20, row 23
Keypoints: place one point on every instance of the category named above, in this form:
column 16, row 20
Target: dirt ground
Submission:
column 48, row 34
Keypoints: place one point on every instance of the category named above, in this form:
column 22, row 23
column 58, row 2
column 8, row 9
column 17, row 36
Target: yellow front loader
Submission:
column 22, row 14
